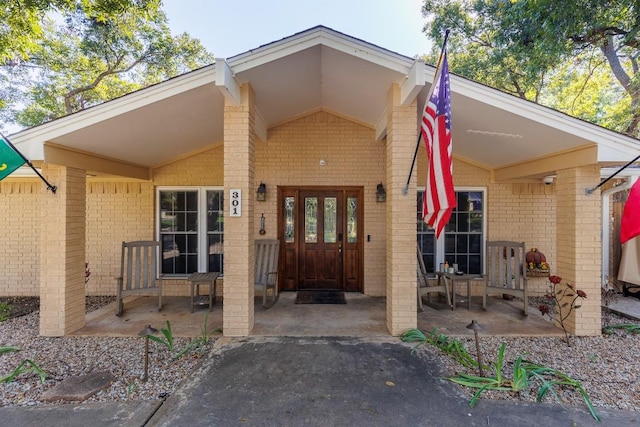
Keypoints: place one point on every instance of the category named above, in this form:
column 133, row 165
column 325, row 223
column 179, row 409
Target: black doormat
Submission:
column 320, row 297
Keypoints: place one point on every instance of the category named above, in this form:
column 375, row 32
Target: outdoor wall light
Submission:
column 381, row 194
column 145, row 333
column 261, row 192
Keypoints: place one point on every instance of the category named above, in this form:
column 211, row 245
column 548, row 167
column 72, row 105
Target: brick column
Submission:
column 62, row 252
column 401, row 216
column 579, row 245
column 239, row 159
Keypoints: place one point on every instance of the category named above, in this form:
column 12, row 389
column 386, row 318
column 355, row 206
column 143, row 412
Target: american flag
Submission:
column 439, row 195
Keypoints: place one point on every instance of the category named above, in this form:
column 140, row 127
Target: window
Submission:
column 462, row 241
column 191, row 229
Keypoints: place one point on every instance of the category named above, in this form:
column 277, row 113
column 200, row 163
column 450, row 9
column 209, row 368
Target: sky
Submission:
column 229, row 27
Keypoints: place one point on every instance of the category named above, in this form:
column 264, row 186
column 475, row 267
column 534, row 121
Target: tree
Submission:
column 82, row 61
column 517, row 45
column 22, row 28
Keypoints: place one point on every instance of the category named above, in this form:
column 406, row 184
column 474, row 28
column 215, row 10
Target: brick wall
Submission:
column 116, row 212
column 20, row 252
column 204, row 168
column 580, row 245
column 63, row 243
column 400, row 212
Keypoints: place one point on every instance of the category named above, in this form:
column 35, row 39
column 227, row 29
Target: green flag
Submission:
column 9, row 159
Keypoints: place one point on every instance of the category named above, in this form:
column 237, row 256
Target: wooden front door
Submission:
column 321, row 230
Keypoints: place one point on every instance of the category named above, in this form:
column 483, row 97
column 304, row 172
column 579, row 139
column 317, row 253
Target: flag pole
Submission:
column 53, row 188
column 590, row 191
column 405, row 190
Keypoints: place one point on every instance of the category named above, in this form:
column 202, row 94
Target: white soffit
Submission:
column 146, row 127
column 497, row 129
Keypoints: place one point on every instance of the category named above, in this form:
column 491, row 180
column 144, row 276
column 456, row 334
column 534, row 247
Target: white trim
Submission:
column 226, row 83
column 413, row 84
column 320, row 36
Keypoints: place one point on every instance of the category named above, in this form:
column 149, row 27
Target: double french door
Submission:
column 320, row 229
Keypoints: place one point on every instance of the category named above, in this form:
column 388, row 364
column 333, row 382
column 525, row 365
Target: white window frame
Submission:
column 203, row 250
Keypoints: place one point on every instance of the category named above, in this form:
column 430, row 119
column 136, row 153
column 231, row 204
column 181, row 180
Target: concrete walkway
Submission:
column 304, row 381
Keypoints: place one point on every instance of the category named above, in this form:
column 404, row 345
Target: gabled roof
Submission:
column 319, row 69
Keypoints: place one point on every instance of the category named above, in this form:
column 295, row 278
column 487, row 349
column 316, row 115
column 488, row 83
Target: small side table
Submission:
column 451, row 280
column 198, row 279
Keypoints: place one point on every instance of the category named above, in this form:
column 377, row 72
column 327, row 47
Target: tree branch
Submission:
column 110, row 71
column 609, row 52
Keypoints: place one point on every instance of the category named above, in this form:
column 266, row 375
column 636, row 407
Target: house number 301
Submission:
column 235, row 207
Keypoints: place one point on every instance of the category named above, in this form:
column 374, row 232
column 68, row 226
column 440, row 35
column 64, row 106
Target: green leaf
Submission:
column 8, row 349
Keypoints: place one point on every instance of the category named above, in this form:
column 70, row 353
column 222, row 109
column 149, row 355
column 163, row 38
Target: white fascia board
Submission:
column 543, row 115
column 340, row 42
column 625, row 173
column 31, row 140
column 413, row 83
column 619, row 153
column 225, row 82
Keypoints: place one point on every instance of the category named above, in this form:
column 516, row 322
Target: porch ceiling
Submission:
column 319, row 69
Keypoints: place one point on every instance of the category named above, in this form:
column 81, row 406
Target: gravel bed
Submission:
column 62, row 357
column 605, row 365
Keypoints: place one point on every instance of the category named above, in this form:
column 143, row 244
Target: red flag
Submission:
column 630, row 224
column 439, row 195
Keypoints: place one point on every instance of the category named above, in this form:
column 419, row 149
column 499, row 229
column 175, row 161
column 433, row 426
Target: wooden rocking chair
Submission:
column 506, row 271
column 138, row 272
column 424, row 288
column 266, row 269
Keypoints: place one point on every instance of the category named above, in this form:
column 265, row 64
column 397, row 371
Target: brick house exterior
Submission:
column 235, row 124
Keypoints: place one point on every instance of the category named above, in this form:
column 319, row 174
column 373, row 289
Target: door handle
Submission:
column 339, row 249
column 339, row 237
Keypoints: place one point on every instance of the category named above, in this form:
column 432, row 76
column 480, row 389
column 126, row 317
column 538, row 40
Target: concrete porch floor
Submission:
column 362, row 316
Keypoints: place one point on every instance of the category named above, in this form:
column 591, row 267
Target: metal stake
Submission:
column 475, row 326
column 145, row 333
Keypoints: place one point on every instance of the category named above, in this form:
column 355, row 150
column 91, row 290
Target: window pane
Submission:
column 475, row 222
column 311, row 219
column 289, row 229
column 427, row 244
column 168, row 200
column 215, row 211
column 475, row 243
column 170, row 253
column 215, row 262
column 352, row 220
column 192, row 201
column 192, row 221
column 330, row 219
column 462, row 243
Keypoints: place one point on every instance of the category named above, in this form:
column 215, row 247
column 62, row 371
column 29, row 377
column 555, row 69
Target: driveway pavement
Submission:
column 342, row 381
